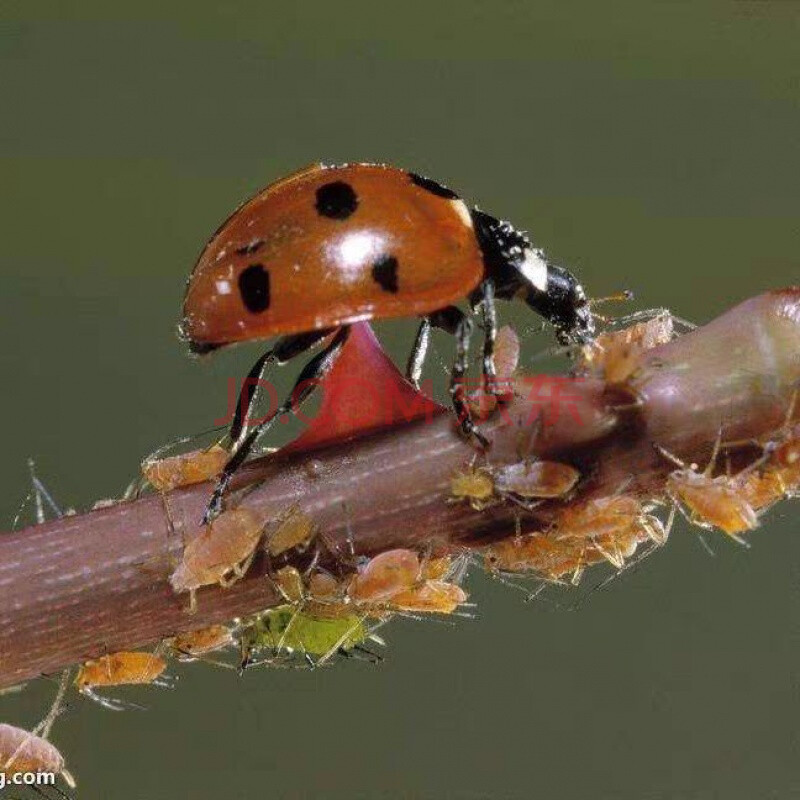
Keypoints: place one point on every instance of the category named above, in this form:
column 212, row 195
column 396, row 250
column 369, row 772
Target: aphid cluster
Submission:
column 324, row 615
column 578, row 533
column 603, row 529
column 734, row 503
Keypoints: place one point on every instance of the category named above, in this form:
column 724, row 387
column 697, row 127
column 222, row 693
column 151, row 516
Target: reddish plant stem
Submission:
column 78, row 587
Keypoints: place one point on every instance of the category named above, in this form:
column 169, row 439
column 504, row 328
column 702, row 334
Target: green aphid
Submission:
column 288, row 629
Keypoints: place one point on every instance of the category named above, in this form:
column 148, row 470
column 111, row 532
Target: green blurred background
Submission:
column 654, row 146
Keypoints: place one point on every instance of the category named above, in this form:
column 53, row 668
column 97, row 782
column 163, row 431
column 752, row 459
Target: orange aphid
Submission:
column 607, row 517
column 776, row 478
column 118, row 669
column 384, row 576
column 323, row 586
column 221, row 553
column 397, row 580
column 190, row 645
column 506, row 359
column 614, row 355
column 536, row 553
column 553, row 558
column 166, row 474
column 761, row 489
column 433, row 596
column 474, row 485
column 326, row 596
column 712, row 502
column 294, row 531
column 126, row 668
column 290, row 584
column 22, row 751
column 709, row 501
column 535, row 479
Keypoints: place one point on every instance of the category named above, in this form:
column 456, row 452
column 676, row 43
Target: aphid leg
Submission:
column 625, row 296
column 416, row 358
column 305, row 384
column 712, row 461
column 238, row 570
column 527, row 505
column 702, row 539
column 369, row 655
column 666, row 454
column 454, row 321
column 339, row 644
column 46, row 725
column 110, row 703
column 614, row 557
column 282, row 641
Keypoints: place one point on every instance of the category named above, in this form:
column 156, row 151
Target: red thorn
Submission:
column 363, row 392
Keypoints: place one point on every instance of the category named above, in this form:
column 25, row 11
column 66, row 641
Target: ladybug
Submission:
column 333, row 245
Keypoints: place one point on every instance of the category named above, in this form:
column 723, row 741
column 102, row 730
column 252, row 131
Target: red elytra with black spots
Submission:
column 329, row 246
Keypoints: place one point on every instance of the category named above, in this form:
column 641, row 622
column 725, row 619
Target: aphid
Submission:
column 290, row 584
column 786, row 461
column 293, row 532
column 192, row 645
column 506, row 359
column 120, row 669
column 326, row 596
column 607, row 517
column 221, row 553
column 776, row 476
column 22, row 751
column 323, row 586
column 552, row 559
column 535, row 480
column 290, row 629
column 329, row 246
column 614, row 355
column 710, row 501
column 473, row 485
column 396, row 580
column 385, row 575
column 432, row 596
column 166, row 474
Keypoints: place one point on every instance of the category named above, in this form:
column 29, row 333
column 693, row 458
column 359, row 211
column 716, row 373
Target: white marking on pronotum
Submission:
column 534, row 268
column 461, row 209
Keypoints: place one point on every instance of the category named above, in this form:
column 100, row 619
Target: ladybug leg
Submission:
column 416, row 359
column 284, row 350
column 454, row 321
column 305, row 384
column 489, row 313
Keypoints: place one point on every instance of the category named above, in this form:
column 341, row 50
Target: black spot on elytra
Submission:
column 249, row 248
column 384, row 273
column 336, row 200
column 432, row 186
column 254, row 288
